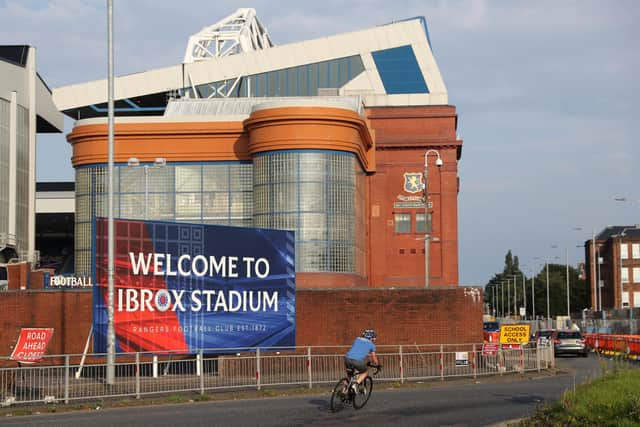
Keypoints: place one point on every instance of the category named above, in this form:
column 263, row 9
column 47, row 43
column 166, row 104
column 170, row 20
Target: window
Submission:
column 635, row 249
column 569, row 335
column 318, row 194
column 420, row 223
column 399, row 70
column 636, row 299
column 625, row 275
column 624, row 252
column 636, row 274
column 421, row 226
column 403, row 223
column 625, row 299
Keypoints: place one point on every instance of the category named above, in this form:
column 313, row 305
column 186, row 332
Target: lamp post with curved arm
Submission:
column 425, row 196
column 159, row 162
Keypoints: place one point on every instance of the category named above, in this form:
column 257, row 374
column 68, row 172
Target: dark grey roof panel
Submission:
column 56, row 186
column 15, row 54
column 611, row 231
column 632, row 232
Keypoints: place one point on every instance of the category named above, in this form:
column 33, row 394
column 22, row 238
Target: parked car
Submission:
column 567, row 341
column 491, row 332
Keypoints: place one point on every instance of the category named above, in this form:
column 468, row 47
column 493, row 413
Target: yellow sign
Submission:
column 514, row 334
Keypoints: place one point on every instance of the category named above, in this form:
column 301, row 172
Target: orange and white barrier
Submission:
column 615, row 345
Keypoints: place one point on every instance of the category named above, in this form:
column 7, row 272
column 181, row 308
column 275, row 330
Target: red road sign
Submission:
column 489, row 349
column 31, row 344
column 512, row 346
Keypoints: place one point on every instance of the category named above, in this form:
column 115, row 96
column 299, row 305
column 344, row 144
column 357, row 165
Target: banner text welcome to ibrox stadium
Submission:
column 197, row 300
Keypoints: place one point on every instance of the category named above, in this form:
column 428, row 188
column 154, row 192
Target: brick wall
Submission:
column 18, row 275
column 324, row 317
column 69, row 313
column 403, row 135
column 402, row 316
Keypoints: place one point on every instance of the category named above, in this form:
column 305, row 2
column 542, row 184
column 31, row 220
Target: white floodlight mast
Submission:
column 239, row 32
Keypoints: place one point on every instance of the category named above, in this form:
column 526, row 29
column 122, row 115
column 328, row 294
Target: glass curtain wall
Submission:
column 22, row 179
column 320, row 195
column 303, row 80
column 22, row 174
column 210, row 193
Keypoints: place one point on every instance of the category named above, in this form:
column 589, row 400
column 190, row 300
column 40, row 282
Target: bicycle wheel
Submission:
column 364, row 393
column 340, row 395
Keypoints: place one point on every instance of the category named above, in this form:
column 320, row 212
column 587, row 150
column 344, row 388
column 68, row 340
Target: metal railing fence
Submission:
column 64, row 378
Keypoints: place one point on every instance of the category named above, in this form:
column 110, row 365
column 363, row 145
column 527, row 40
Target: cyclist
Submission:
column 362, row 351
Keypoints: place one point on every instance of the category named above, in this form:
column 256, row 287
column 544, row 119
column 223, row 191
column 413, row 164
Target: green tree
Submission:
column 504, row 286
column 578, row 291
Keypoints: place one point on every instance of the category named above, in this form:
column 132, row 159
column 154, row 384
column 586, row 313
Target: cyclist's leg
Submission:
column 361, row 366
column 349, row 366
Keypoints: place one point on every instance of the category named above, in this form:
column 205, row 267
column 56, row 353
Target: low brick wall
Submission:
column 324, row 317
column 399, row 316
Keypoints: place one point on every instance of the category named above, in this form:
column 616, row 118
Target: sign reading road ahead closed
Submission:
column 514, row 334
column 32, row 344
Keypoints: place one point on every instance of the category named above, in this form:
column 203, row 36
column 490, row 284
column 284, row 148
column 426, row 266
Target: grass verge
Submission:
column 611, row 400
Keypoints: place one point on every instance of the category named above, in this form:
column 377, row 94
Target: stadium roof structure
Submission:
column 15, row 76
column 388, row 65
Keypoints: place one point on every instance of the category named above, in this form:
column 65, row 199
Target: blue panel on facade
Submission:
column 399, row 71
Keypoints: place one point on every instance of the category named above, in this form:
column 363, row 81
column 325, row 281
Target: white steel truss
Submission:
column 239, row 32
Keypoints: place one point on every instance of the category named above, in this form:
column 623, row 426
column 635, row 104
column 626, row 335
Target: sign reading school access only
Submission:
column 514, row 334
column 31, row 344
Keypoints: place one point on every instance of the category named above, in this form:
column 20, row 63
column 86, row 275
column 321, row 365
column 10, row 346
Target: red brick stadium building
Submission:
column 330, row 138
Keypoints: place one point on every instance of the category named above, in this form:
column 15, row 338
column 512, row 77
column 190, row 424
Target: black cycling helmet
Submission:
column 369, row 334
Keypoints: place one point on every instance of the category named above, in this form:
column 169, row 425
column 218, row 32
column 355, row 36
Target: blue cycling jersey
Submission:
column 360, row 349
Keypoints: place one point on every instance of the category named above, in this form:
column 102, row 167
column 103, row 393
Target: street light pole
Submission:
column 502, row 298
column 494, row 300
column 593, row 273
column 524, row 293
column 548, row 311
column 111, row 338
column 427, row 234
column 515, row 295
column 509, row 297
column 599, row 284
column 533, row 297
column 146, row 191
column 568, row 302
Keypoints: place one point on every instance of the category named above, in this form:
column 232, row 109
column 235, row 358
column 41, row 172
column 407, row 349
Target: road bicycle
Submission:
column 344, row 393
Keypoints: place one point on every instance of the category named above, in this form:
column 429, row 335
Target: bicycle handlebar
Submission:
column 377, row 368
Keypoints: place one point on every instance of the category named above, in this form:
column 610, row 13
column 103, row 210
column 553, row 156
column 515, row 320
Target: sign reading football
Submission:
column 191, row 287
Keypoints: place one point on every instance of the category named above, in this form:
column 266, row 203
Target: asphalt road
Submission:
column 485, row 402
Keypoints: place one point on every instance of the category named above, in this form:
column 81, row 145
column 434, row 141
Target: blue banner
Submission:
column 186, row 287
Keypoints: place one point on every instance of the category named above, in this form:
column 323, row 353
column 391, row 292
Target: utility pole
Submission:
column 111, row 336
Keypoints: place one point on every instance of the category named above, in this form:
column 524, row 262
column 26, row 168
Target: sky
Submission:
column 546, row 94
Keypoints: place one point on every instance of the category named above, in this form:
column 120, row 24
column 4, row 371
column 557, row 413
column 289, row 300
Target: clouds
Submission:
column 546, row 94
